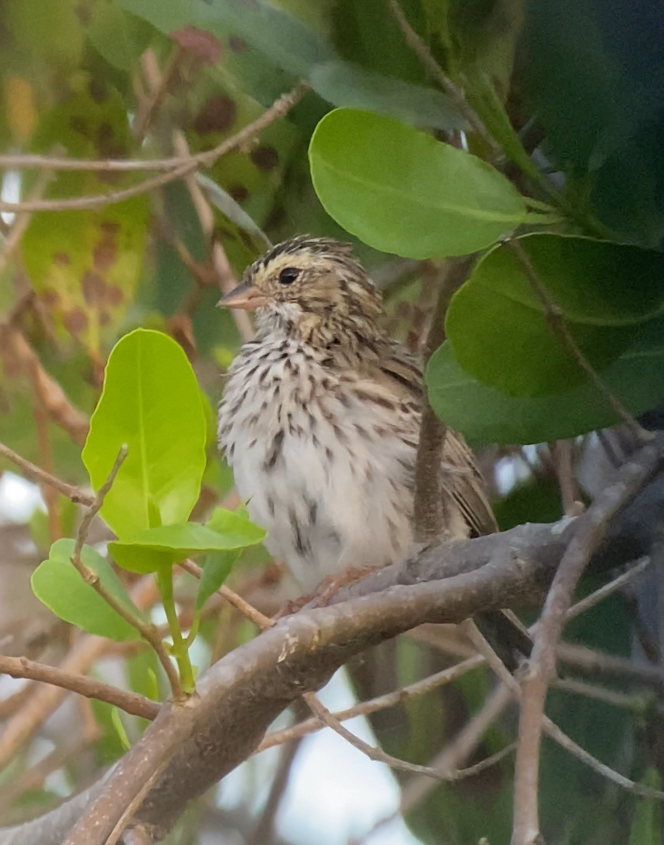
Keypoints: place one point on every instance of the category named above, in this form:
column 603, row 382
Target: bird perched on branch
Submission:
column 320, row 419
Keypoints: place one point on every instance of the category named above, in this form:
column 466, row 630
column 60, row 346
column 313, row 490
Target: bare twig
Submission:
column 599, row 595
column 371, row 751
column 430, row 518
column 453, row 755
column 263, row 832
column 46, row 698
column 147, row 631
column 382, row 702
column 261, row 621
column 22, row 221
column 38, row 475
column 50, row 393
column 569, row 493
column 589, row 532
column 596, row 765
column 160, row 89
column 453, row 91
column 556, row 321
column 636, row 703
column 279, row 109
column 130, row 702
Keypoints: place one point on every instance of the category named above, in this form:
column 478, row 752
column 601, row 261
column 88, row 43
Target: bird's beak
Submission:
column 246, row 296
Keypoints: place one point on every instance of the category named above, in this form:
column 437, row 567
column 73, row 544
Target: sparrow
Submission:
column 320, row 419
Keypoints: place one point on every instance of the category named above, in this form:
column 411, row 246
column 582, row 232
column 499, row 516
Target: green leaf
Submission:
column 222, row 200
column 165, row 545
column 85, row 265
column 484, row 415
column 216, row 569
column 646, row 823
column 287, row 42
column 350, row 85
column 116, row 719
column 606, row 292
column 58, row 585
column 118, row 36
column 402, row 191
column 235, row 527
column 483, row 96
column 151, row 402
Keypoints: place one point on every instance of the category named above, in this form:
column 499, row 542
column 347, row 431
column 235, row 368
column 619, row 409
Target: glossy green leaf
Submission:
column 85, row 265
column 606, row 292
column 595, row 84
column 151, row 402
column 58, row 585
column 349, row 85
column 234, row 212
column 484, row 98
column 484, row 415
column 286, row 41
column 116, row 719
column 402, row 191
column 216, row 569
column 118, row 36
column 165, row 545
column 646, row 824
column 235, row 527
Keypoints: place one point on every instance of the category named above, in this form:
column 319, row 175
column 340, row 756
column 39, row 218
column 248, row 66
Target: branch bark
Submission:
column 202, row 740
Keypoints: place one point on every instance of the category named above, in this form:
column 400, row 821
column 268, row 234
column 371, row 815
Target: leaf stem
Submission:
column 180, row 646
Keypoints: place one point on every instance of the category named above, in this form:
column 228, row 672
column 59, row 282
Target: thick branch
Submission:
column 239, row 696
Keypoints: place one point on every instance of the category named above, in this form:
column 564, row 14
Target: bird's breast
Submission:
column 324, row 459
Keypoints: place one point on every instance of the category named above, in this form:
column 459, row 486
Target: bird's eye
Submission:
column 288, row 275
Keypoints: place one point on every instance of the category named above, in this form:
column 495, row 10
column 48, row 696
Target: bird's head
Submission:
column 310, row 287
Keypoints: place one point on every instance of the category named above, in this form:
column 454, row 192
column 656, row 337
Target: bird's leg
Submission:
column 327, row 588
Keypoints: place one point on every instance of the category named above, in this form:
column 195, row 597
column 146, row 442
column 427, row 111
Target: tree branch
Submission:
column 239, row 697
column 591, row 528
column 130, row 702
column 39, row 476
column 146, row 630
column 278, row 109
column 429, row 517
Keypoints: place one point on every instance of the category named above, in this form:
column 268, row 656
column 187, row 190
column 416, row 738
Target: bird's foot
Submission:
column 327, row 588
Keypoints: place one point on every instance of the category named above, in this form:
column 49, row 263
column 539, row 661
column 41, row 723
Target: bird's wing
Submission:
column 461, row 479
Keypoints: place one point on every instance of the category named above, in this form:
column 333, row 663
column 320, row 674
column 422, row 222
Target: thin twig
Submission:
column 554, row 732
column 555, row 319
column 263, row 832
column 636, row 703
column 371, row 751
column 278, row 109
column 374, row 705
column 44, row 162
column 608, row 589
column 591, row 528
column 150, row 107
column 569, row 493
column 430, row 518
column 261, row 621
column 34, row 473
column 147, row 631
column 130, row 702
column 453, row 91
column 22, row 221
column 50, row 392
column 45, row 699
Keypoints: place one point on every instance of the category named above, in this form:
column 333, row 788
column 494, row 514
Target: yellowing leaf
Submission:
column 20, row 107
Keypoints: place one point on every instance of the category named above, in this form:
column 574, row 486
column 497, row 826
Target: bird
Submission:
column 320, row 419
